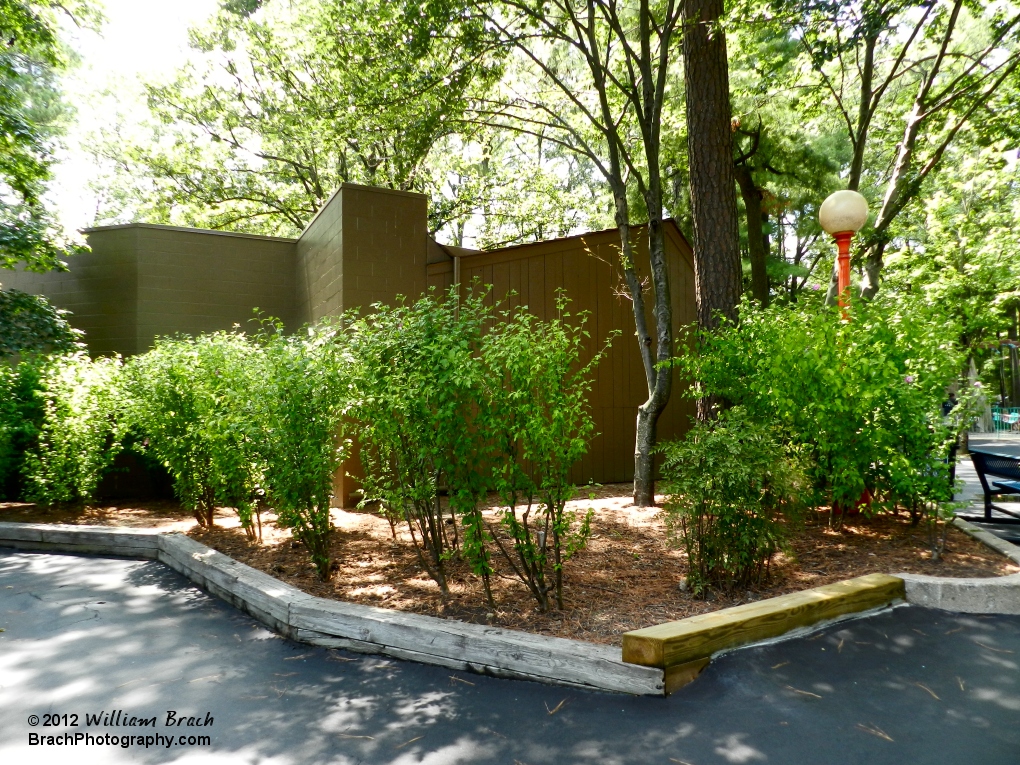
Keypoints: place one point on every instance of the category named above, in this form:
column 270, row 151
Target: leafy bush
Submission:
column 732, row 490
column 299, row 398
column 541, row 424
column 79, row 435
column 29, row 323
column 21, row 417
column 422, row 424
column 452, row 398
column 183, row 399
column 862, row 396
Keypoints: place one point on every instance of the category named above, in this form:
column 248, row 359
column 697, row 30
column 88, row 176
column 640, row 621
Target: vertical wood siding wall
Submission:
column 585, row 268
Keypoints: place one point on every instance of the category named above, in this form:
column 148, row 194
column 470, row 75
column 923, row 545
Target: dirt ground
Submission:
column 626, row 578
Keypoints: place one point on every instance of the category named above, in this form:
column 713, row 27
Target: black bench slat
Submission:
column 1002, row 466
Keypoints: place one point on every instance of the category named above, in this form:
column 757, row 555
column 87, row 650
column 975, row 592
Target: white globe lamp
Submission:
column 842, row 215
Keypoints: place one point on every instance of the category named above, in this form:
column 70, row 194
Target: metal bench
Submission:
column 1003, row 466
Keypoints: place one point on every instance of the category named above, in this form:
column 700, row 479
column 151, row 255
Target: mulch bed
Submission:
column 626, row 578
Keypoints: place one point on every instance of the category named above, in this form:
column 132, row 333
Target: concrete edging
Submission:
column 976, row 595
column 988, row 538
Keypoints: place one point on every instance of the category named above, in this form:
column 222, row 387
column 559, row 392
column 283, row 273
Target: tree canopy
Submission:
column 32, row 117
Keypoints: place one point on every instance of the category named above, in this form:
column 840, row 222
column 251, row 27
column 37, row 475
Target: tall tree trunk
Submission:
column 1014, row 360
column 757, row 247
column 710, row 149
column 659, row 390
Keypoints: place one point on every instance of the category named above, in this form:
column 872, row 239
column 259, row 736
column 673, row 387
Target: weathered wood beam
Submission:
column 688, row 641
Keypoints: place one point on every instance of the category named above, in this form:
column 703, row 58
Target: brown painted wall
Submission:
column 583, row 267
column 364, row 246
column 195, row 281
column 140, row 281
column 100, row 288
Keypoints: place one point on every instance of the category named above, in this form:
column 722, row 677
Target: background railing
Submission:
column 1006, row 420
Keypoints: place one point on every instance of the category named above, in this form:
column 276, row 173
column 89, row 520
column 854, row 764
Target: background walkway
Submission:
column 88, row 634
column 1004, row 443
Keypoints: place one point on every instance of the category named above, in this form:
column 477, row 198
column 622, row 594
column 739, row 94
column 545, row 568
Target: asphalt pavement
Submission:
column 91, row 636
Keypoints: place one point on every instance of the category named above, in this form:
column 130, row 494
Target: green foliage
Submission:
column 21, row 417
column 448, row 400
column 31, row 119
column 453, row 397
column 283, row 103
column 183, row 399
column 862, row 396
column 958, row 248
column 299, row 397
column 540, row 424
column 31, row 323
column 733, row 492
column 422, row 424
column 245, row 423
column 79, row 435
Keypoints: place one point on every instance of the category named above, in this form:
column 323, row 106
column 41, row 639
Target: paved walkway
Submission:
column 88, row 634
column 1005, row 444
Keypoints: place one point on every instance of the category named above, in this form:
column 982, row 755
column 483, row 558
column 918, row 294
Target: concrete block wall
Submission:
column 365, row 246
column 141, row 281
column 195, row 281
column 319, row 285
column 99, row 288
column 385, row 242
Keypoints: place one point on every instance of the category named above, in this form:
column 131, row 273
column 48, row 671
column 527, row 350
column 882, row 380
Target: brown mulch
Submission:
column 626, row 578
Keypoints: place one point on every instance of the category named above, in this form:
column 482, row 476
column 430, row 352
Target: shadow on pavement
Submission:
column 84, row 635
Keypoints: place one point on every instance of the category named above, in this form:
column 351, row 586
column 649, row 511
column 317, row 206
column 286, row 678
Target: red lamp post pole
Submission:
column 843, row 244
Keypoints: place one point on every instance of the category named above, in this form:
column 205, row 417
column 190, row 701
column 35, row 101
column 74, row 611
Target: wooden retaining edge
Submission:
column 291, row 612
column 86, row 540
column 683, row 648
column 490, row 650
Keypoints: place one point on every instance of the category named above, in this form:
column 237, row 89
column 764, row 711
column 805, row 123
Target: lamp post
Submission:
column 842, row 215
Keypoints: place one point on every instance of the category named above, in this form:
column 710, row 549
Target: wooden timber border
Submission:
column 683, row 648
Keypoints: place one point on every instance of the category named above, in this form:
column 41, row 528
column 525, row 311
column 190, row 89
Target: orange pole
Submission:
column 843, row 244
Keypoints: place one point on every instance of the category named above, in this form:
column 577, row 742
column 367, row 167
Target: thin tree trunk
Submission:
column 662, row 382
column 1014, row 360
column 756, row 244
column 710, row 150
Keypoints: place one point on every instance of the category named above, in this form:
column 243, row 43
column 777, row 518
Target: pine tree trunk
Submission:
column 710, row 149
column 756, row 246
column 710, row 146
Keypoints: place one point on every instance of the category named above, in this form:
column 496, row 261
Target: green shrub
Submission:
column 422, row 424
column 30, row 324
column 862, row 396
column 21, row 417
column 299, row 399
column 541, row 424
column 184, row 400
column 451, row 397
column 732, row 489
column 79, row 435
